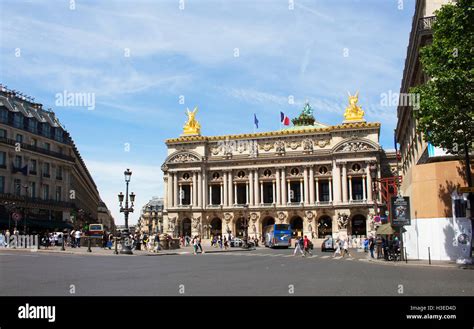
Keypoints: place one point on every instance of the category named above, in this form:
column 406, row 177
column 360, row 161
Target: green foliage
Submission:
column 446, row 112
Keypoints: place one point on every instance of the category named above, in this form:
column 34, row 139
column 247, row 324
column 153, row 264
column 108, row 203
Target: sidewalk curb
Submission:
column 402, row 263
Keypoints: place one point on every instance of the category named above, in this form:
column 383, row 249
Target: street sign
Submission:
column 16, row 216
column 400, row 211
column 466, row 190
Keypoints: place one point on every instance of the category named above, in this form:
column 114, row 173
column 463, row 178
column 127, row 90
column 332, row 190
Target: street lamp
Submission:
column 126, row 247
column 245, row 226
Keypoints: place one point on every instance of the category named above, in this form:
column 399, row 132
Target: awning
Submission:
column 385, row 229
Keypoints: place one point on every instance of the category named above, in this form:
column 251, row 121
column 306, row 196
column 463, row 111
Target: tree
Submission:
column 446, row 114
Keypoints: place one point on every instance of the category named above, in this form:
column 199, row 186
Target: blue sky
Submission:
column 317, row 51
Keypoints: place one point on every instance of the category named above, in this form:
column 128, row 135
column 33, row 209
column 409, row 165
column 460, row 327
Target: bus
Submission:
column 95, row 231
column 277, row 235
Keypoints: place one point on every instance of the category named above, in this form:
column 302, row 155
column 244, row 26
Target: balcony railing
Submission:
column 426, row 23
column 37, row 149
column 25, row 199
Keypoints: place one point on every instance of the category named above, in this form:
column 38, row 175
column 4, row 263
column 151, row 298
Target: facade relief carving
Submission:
column 354, row 147
column 183, row 158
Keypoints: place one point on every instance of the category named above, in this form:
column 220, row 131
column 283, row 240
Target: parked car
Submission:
column 236, row 242
column 328, row 244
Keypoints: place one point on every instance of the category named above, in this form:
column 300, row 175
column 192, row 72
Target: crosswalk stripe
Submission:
column 325, row 257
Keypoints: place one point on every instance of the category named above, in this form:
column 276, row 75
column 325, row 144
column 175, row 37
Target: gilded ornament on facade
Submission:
column 192, row 126
column 353, row 111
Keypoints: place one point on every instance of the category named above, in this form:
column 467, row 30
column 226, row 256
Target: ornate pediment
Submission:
column 355, row 145
column 183, row 157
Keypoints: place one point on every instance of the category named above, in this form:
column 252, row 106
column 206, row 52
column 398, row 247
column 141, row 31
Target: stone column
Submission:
column 336, row 177
column 170, row 190
column 278, row 188
column 330, row 189
column 194, row 190
column 175, row 190
column 306, row 185
column 302, row 196
column 235, row 192
column 256, row 188
column 283, row 186
column 231, row 189
column 274, row 192
column 205, row 196
column 180, row 195
column 317, row 190
column 364, row 196
column 261, row 192
column 224, row 201
column 350, row 188
column 247, row 192
column 344, row 183
column 251, row 188
column 221, row 185
column 199, row 190
column 369, row 182
column 210, row 194
column 289, row 191
column 311, row 185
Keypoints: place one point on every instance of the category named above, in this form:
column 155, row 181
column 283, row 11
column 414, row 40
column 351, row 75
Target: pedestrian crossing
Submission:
column 250, row 254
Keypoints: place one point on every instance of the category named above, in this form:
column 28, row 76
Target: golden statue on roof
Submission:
column 192, row 126
column 353, row 112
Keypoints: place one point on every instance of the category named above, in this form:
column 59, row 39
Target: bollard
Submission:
column 116, row 250
column 429, row 255
column 89, row 245
column 62, row 245
column 406, row 259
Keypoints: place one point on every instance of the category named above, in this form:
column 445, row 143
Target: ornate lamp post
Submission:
column 373, row 175
column 246, row 226
column 126, row 244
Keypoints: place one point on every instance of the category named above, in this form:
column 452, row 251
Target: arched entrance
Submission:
column 296, row 224
column 239, row 227
column 216, row 226
column 359, row 225
column 185, row 227
column 267, row 221
column 324, row 227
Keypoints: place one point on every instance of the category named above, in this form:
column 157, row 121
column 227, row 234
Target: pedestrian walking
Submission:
column 298, row 247
column 226, row 243
column 195, row 245
column 77, row 236
column 199, row 244
column 338, row 248
column 307, row 246
column 346, row 248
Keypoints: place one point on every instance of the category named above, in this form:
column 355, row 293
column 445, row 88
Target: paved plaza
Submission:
column 261, row 272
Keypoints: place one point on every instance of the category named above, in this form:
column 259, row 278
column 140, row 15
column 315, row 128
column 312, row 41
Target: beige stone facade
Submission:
column 428, row 179
column 315, row 178
column 42, row 173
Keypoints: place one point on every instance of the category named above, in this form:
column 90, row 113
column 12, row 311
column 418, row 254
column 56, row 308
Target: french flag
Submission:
column 284, row 119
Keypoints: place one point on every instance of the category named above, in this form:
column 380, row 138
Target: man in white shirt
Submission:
column 78, row 238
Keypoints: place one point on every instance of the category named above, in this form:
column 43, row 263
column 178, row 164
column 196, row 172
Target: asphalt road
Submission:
column 256, row 273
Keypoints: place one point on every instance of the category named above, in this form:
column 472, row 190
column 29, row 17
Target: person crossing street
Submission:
column 307, row 246
column 299, row 246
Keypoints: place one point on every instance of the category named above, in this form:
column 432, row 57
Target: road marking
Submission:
column 350, row 258
column 325, row 257
column 288, row 256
